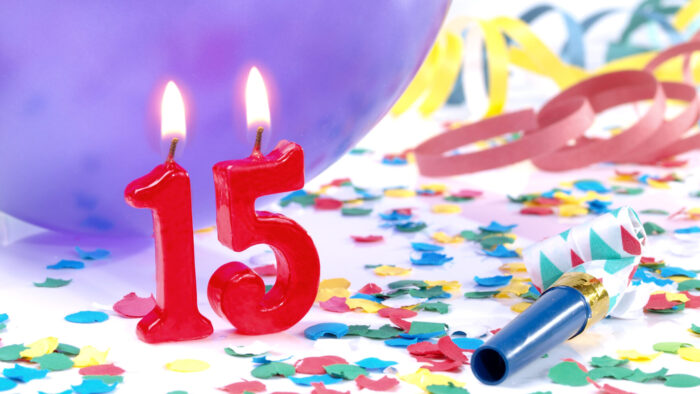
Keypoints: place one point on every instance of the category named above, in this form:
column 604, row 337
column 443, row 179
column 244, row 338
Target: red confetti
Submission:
column 383, row 384
column 320, row 388
column 365, row 239
column 335, row 304
column 451, row 350
column 542, row 211
column 338, row 182
column 400, row 323
column 660, row 302
column 404, row 211
column 370, row 288
column 246, row 385
column 132, row 305
column 647, row 260
column 266, row 270
column 425, row 348
column 397, row 312
column 325, row 203
column 314, row 365
column 548, row 201
column 442, row 366
column 466, row 193
column 104, row 369
column 693, row 301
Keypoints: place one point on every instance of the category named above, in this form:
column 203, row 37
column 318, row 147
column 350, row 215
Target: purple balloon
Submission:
column 81, row 84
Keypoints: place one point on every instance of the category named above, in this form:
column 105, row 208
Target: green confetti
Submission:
column 384, row 332
column 609, row 372
column 691, row 284
column 640, row 376
column 682, row 380
column 233, row 353
column 449, row 388
column 177, row 392
column 631, row 191
column 67, row 349
column 458, row 199
column 470, row 235
column 439, row 307
column 408, row 283
column 345, row 371
column 675, row 309
column 54, row 362
column 304, row 200
column 266, row 371
column 106, row 379
column 481, row 294
column 652, row 228
column 432, row 292
column 523, row 198
column 410, row 227
column 359, row 151
column 53, row 283
column 568, row 374
column 491, row 242
column 2, row 326
column 670, row 347
column 11, row 352
column 424, row 327
column 655, row 212
column 357, row 330
column 695, row 329
column 356, row 211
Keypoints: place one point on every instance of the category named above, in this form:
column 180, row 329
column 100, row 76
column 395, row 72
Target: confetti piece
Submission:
column 446, row 208
column 676, row 271
column 520, row 307
column 355, row 211
column 591, row 185
column 451, row 350
column 634, row 355
column 104, row 369
column 659, row 302
column 53, row 283
column 688, row 230
column 541, row 211
column 501, row 252
column 87, row 317
column 439, row 307
column 424, row 378
column 187, row 365
column 499, row 280
column 445, row 389
column 345, row 371
column 444, row 238
column 94, row 387
column 11, row 352
column 96, row 254
column 41, row 347
column 693, row 328
column 689, row 353
column 7, row 384
column 67, row 264
column 410, row 227
column 67, row 349
column 89, row 356
column 569, row 374
column 570, row 210
column 54, row 362
column 400, row 342
column 384, row 332
column 370, row 288
column 399, row 193
column 336, row 330
column 425, row 247
column 682, row 380
column 309, row 380
column 396, row 312
column 383, row 384
column 131, row 305
column 367, row 238
column 257, row 348
column 421, row 327
column 468, row 343
column 609, row 372
column 692, row 284
column 24, row 374
column 314, row 365
column 607, row 361
column 390, row 270
column 364, row 304
column 323, row 203
column 106, row 379
column 252, row 386
column 335, row 304
column 375, row 364
column 327, row 294
column 480, row 294
column 431, row 258
column 266, row 371
column 495, row 227
column 334, row 283
column 320, row 388
column 431, row 292
column 670, row 347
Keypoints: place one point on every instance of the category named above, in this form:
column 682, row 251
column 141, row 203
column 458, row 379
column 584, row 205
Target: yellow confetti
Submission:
column 388, row 270
column 41, row 347
column 689, row 353
column 678, row 278
column 567, row 198
column 90, row 356
column 205, row 230
column 327, row 294
column 187, row 365
column 366, row 305
column 411, row 157
column 449, row 286
column 333, row 283
column 591, row 195
column 435, row 187
column 424, row 378
column 446, row 208
column 513, row 267
column 399, row 193
column 566, row 185
column 625, row 178
column 673, row 296
column 568, row 210
column 634, row 355
column 443, row 238
column 520, row 307
column 514, row 287
column 658, row 184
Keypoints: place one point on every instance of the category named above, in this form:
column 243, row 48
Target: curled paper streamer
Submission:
column 608, row 247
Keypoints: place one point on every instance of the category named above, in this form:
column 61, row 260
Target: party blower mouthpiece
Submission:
column 585, row 270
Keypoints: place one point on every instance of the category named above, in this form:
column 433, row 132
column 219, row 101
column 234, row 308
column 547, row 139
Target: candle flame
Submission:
column 257, row 107
column 172, row 113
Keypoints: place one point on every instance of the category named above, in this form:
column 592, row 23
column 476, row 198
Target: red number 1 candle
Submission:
column 166, row 191
column 235, row 291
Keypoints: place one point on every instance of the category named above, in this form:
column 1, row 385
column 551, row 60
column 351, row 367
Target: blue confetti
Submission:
column 672, row 271
column 645, row 275
column 3, row 317
column 501, row 252
column 373, row 363
column 491, row 281
column 423, row 336
column 688, row 230
column 96, row 254
column 591, row 185
column 87, row 317
column 24, row 374
column 426, row 192
column 424, row 247
column 431, row 258
column 367, row 297
column 62, row 392
column 394, row 161
column 306, row 381
column 495, row 227
column 550, row 194
column 598, row 206
column 94, row 386
column 400, row 342
column 67, row 264
column 467, row 343
column 265, row 360
column 7, row 384
column 289, row 197
column 394, row 216
column 337, row 330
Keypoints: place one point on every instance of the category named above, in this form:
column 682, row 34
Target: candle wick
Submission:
column 173, row 146
column 258, row 140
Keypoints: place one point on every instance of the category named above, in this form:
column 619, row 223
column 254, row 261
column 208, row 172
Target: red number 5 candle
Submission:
column 166, row 191
column 235, row 291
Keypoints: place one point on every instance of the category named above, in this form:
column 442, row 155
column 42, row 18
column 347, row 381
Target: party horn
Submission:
column 584, row 270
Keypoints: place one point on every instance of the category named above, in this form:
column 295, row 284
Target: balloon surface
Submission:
column 81, row 84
